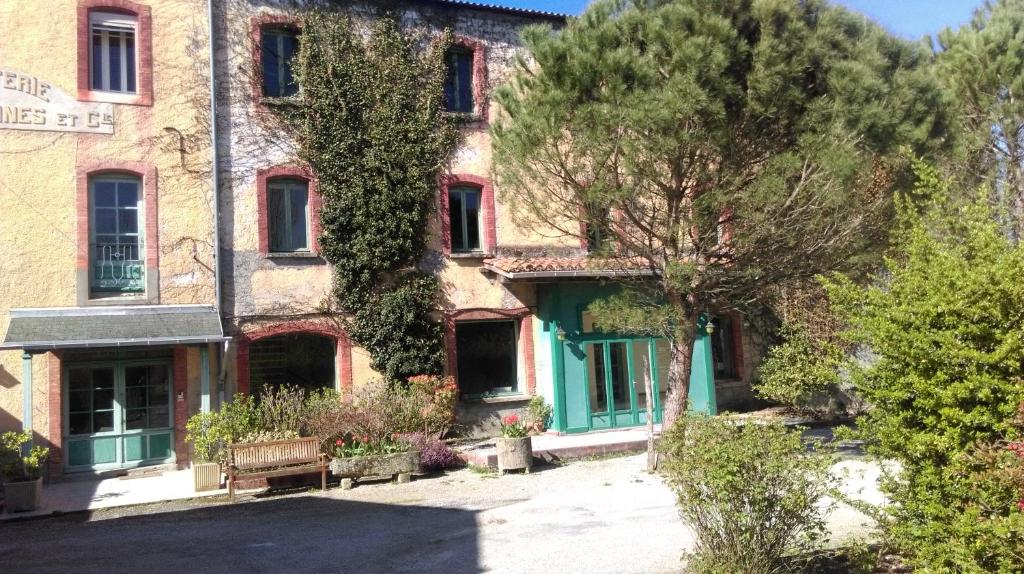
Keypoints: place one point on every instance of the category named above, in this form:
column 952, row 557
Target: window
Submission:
column 458, row 86
column 116, row 235
column 278, row 46
column 598, row 228
column 300, row 360
column 288, row 215
column 112, row 54
column 487, row 361
column 464, row 218
column 723, row 348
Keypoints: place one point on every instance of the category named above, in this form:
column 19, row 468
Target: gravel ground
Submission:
column 589, row 516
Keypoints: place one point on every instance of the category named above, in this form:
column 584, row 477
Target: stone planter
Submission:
column 399, row 465
column 23, row 496
column 514, row 454
column 206, row 476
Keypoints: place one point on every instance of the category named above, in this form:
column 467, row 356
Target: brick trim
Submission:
column 180, row 384
column 256, row 26
column 481, row 88
column 143, row 45
column 148, row 176
column 525, row 317
column 263, row 177
column 489, row 241
column 342, row 354
column 55, row 411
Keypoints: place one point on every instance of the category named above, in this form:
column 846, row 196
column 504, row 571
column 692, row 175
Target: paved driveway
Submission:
column 597, row 516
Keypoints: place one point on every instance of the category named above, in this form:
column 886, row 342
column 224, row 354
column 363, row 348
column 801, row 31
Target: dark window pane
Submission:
column 159, row 417
column 103, row 379
column 472, row 199
column 97, row 59
column 103, row 421
column 135, row 397
column 135, row 376
column 114, row 44
column 455, row 221
column 465, row 73
column 80, row 380
column 135, row 419
column 128, row 194
column 486, row 357
column 130, row 54
column 80, row 423
column 103, row 399
column 299, row 198
column 723, row 352
column 128, row 221
column 79, row 401
column 277, row 220
column 105, row 221
column 158, row 395
column 104, row 194
column 289, row 47
column 271, row 62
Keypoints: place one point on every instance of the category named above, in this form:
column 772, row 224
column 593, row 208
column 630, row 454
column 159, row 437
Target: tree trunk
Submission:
column 679, row 369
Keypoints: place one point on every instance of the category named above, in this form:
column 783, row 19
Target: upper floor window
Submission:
column 598, row 228
column 278, row 47
column 458, row 86
column 288, row 215
column 116, row 237
column 464, row 218
column 112, row 58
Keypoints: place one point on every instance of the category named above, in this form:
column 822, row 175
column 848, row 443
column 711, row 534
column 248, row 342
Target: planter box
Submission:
column 23, row 496
column 385, row 465
column 514, row 454
column 206, row 476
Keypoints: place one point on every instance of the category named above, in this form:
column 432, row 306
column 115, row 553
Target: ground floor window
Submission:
column 487, row 358
column 723, row 348
column 302, row 360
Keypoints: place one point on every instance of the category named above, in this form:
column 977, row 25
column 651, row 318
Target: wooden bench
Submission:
column 275, row 458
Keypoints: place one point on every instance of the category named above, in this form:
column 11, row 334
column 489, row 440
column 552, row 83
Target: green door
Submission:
column 118, row 415
column 616, row 373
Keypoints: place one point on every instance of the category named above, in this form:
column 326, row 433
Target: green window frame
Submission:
column 116, row 235
column 288, row 215
column 464, row 218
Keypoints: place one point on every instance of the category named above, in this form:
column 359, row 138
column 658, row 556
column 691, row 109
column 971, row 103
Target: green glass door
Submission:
column 616, row 374
column 118, row 415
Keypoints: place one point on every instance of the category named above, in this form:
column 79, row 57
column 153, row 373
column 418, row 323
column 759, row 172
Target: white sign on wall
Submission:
column 28, row 103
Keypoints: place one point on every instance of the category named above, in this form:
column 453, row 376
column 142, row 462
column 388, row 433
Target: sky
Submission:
column 910, row 19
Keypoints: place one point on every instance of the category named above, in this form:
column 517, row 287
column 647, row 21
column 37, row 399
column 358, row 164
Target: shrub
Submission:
column 945, row 323
column 210, row 433
column 15, row 464
column 281, row 410
column 752, row 494
column 435, row 454
column 436, row 397
column 538, row 413
column 798, row 369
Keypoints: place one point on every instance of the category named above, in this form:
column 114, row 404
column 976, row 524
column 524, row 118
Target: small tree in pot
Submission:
column 515, row 450
column 21, row 471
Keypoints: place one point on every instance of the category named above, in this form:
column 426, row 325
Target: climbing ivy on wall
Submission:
column 372, row 126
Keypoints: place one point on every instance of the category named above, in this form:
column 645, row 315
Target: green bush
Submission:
column 753, row 494
column 799, row 369
column 15, row 464
column 945, row 324
column 538, row 413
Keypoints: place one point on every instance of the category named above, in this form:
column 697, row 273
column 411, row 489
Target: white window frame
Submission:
column 107, row 23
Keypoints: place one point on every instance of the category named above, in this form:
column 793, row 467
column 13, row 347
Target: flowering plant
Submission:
column 351, row 446
column 512, row 426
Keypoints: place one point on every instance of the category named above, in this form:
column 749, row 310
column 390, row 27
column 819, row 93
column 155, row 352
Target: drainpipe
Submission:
column 218, row 295
column 26, row 389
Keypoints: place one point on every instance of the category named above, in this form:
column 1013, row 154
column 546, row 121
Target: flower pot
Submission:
column 384, row 465
column 23, row 496
column 515, row 453
column 206, row 476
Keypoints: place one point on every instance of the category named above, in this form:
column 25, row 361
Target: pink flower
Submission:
column 511, row 419
column 339, row 442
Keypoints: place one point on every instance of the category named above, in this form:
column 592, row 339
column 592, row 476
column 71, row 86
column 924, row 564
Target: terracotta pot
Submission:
column 515, row 453
column 23, row 496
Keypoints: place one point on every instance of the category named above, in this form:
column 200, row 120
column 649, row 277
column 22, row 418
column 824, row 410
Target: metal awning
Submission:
column 121, row 326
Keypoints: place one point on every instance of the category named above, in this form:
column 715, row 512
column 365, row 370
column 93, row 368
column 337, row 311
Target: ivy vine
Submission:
column 372, row 126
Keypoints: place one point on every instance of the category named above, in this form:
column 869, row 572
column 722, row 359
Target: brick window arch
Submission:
column 480, row 89
column 343, row 352
column 264, row 180
column 143, row 54
column 488, row 225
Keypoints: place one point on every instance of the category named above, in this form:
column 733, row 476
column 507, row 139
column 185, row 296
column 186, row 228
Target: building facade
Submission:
column 119, row 323
column 107, row 290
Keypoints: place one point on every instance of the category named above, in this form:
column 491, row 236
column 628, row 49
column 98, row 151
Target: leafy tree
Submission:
column 983, row 65
column 944, row 322
column 728, row 145
column 372, row 126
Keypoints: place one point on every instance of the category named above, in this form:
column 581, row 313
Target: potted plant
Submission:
column 354, row 457
column 538, row 414
column 204, row 432
column 23, row 482
column 515, row 451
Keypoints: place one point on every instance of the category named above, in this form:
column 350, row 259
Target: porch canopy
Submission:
column 555, row 268
column 109, row 326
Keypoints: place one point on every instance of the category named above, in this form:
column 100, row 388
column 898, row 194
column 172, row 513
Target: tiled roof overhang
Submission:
column 122, row 326
column 543, row 14
column 514, row 268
